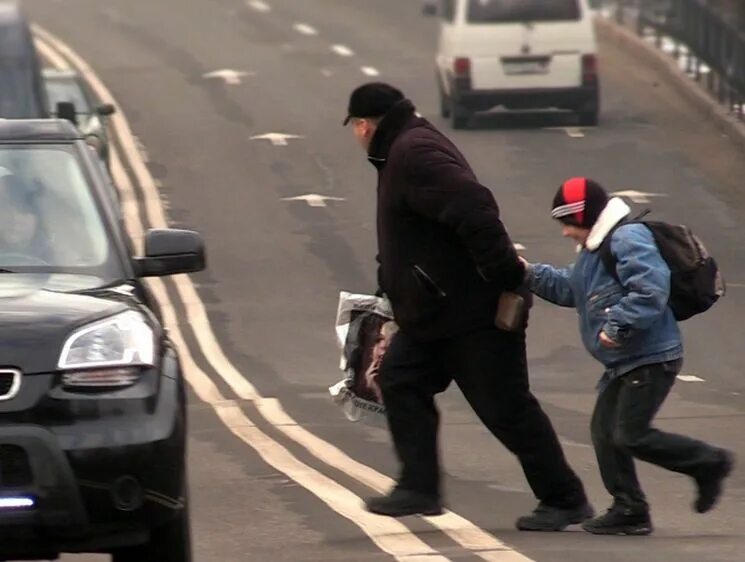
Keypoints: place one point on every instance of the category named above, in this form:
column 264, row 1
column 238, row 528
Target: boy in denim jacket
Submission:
column 631, row 330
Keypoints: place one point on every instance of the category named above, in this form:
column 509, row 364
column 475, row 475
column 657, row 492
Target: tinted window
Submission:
column 512, row 11
column 50, row 219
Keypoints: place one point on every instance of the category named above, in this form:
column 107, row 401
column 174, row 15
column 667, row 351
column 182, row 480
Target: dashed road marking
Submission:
column 259, row 6
column 305, row 29
column 370, row 71
column 690, row 378
column 342, row 50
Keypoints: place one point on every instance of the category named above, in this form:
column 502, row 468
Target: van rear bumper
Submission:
column 541, row 98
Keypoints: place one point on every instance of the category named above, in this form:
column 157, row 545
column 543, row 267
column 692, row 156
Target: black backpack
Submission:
column 695, row 280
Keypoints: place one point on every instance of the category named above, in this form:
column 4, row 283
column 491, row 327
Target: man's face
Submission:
column 576, row 233
column 363, row 130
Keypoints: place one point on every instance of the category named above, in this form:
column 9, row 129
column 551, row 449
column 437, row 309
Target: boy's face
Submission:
column 576, row 233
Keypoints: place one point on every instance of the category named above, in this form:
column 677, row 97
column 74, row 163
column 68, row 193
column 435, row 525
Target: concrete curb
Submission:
column 665, row 65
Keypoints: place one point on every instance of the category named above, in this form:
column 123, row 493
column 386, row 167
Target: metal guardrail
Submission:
column 706, row 46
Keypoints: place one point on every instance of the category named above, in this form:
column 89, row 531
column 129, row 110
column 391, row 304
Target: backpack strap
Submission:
column 606, row 254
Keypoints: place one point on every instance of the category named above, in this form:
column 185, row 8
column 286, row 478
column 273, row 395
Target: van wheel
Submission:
column 168, row 543
column 589, row 113
column 589, row 118
column 459, row 116
column 444, row 105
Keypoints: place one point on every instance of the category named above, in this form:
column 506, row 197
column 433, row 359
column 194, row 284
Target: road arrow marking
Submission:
column 232, row 77
column 571, row 132
column 690, row 378
column 638, row 196
column 259, row 6
column 342, row 50
column 305, row 29
column 277, row 139
column 313, row 199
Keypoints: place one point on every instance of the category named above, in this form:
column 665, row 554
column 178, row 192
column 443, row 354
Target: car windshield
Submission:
column 66, row 90
column 17, row 97
column 51, row 223
column 515, row 11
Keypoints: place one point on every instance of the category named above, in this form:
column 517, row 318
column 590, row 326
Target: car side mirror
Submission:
column 106, row 109
column 66, row 110
column 169, row 251
column 429, row 8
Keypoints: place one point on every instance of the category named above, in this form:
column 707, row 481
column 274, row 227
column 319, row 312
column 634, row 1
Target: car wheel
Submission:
column 589, row 118
column 459, row 116
column 444, row 103
column 168, row 543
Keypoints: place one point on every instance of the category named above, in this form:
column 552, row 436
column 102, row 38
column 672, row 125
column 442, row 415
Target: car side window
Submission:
column 447, row 10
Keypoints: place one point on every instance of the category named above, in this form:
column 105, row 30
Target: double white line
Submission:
column 389, row 535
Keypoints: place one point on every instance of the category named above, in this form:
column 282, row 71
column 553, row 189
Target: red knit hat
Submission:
column 579, row 202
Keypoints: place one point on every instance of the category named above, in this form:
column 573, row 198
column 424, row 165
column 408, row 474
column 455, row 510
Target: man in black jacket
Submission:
column 445, row 258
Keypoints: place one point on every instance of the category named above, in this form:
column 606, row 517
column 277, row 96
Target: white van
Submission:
column 518, row 54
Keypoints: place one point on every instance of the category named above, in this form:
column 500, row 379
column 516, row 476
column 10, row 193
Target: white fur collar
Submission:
column 614, row 212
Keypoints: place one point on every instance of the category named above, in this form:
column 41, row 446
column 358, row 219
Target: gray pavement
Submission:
column 275, row 267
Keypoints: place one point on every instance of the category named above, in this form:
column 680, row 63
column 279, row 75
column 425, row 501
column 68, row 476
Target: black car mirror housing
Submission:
column 169, row 251
column 106, row 109
column 66, row 110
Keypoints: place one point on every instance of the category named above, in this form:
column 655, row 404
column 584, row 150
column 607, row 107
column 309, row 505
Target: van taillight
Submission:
column 462, row 67
column 589, row 69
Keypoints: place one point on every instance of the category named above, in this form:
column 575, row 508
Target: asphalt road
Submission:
column 276, row 266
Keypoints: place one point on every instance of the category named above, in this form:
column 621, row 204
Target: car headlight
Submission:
column 124, row 340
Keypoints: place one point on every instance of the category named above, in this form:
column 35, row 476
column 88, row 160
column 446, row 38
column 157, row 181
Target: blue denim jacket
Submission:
column 633, row 313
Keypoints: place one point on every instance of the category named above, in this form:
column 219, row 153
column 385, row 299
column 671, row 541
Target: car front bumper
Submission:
column 96, row 485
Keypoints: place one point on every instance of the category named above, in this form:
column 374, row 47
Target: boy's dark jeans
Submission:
column 621, row 432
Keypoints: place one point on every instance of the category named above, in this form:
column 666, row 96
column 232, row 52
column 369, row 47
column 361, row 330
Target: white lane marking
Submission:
column 519, row 247
column 690, row 378
column 313, row 199
column 389, row 535
column 460, row 529
column 277, row 139
column 327, row 73
column 228, row 75
column 370, row 71
column 305, row 29
column 342, row 50
column 259, row 6
column 51, row 55
column 638, row 196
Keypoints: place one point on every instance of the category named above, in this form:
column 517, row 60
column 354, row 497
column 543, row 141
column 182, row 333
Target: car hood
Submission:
column 35, row 322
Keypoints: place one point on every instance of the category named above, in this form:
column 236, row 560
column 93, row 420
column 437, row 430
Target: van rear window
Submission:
column 514, row 11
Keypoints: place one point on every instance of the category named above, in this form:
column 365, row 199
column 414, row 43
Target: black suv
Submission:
column 92, row 397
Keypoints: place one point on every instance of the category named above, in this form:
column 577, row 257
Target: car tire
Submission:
column 444, row 102
column 459, row 116
column 170, row 542
column 589, row 118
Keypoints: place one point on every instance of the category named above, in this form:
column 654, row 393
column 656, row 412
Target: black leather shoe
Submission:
column 400, row 503
column 548, row 518
column 620, row 521
column 710, row 486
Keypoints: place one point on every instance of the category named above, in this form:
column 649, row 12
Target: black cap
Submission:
column 373, row 99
